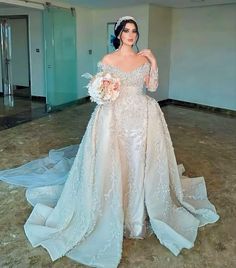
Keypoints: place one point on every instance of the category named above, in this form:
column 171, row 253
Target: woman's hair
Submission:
column 118, row 31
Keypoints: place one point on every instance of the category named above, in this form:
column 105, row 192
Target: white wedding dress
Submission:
column 124, row 178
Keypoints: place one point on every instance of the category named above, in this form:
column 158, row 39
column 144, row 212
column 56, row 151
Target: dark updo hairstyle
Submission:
column 118, row 31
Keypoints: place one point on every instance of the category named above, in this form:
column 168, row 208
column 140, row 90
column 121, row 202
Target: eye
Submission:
column 126, row 30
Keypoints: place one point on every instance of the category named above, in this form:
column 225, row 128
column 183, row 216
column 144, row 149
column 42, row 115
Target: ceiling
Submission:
column 6, row 5
column 123, row 3
column 166, row 3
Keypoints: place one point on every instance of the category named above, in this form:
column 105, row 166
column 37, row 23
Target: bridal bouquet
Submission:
column 103, row 87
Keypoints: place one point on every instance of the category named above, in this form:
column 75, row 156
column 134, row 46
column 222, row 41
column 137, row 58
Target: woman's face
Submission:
column 129, row 34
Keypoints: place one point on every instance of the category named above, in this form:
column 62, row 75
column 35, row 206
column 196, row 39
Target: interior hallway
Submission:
column 204, row 142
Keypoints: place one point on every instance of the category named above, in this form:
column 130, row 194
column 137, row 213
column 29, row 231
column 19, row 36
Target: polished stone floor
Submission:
column 19, row 105
column 19, row 110
column 204, row 142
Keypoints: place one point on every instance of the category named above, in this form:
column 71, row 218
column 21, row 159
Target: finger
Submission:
column 142, row 52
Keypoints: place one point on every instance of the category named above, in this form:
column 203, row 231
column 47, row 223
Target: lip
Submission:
column 130, row 40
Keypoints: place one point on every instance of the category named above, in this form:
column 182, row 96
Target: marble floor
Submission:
column 204, row 142
column 19, row 111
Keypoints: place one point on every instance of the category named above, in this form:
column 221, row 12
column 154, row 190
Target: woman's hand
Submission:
column 149, row 55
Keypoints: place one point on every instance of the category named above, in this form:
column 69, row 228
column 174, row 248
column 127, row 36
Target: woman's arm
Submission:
column 152, row 80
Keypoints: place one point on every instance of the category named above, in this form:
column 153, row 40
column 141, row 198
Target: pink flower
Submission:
column 103, row 88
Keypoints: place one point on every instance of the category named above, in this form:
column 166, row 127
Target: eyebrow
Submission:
column 128, row 29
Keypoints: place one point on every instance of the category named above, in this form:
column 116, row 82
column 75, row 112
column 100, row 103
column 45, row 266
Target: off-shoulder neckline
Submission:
column 119, row 69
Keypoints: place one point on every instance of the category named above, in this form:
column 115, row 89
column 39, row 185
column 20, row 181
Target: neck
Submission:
column 125, row 50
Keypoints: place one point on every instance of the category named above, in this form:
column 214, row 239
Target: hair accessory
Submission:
column 123, row 18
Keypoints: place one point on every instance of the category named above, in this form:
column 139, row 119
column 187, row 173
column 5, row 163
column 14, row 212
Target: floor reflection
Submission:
column 8, row 101
column 17, row 110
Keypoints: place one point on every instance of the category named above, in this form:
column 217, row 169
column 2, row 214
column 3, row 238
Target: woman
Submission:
column 124, row 175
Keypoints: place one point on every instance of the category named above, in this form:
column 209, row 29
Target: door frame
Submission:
column 28, row 41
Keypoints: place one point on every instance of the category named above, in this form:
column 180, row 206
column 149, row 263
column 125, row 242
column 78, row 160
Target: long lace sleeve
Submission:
column 152, row 79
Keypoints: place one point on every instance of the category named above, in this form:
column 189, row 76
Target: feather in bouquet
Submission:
column 103, row 87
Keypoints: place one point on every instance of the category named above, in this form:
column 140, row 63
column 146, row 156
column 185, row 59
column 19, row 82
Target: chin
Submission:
column 130, row 44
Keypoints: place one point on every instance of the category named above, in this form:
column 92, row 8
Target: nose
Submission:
column 131, row 34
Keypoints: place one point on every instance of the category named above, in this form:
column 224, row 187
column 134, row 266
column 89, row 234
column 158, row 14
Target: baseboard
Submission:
column 161, row 103
column 38, row 98
column 197, row 106
column 62, row 106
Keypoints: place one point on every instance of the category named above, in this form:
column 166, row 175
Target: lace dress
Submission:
column 123, row 178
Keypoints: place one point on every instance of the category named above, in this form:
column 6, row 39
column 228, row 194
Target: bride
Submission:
column 124, row 179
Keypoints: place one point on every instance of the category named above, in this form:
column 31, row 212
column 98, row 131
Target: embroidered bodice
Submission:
column 134, row 79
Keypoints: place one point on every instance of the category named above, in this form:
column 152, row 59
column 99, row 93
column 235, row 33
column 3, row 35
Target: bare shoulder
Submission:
column 109, row 58
column 142, row 59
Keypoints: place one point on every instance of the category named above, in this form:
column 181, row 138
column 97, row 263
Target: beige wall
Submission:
column 84, row 19
column 159, row 42
column 203, row 56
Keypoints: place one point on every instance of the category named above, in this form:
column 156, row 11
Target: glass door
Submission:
column 60, row 56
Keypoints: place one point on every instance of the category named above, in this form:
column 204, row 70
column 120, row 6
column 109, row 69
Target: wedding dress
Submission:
column 121, row 179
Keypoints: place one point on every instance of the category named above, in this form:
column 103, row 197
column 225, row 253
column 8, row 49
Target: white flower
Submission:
column 103, row 88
